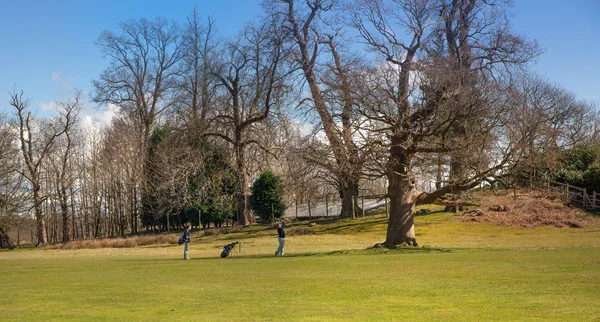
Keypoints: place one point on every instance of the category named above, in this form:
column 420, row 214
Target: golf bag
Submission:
column 180, row 241
column 227, row 249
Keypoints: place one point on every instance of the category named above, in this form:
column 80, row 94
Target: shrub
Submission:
column 581, row 167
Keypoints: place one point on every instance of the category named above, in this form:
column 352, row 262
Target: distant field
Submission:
column 464, row 272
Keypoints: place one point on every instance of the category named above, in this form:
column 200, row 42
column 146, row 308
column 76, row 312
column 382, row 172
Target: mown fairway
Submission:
column 466, row 271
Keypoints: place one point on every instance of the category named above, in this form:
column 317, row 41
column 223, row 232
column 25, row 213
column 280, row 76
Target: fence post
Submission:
column 386, row 208
column 327, row 205
column 584, row 198
column 594, row 196
column 309, row 212
column 353, row 210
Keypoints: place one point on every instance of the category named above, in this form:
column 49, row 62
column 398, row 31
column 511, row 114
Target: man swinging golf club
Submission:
column 280, row 238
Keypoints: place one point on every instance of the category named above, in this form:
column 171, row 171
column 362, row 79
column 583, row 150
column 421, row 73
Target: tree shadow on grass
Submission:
column 352, row 227
column 399, row 250
column 439, row 211
column 365, row 252
column 342, row 227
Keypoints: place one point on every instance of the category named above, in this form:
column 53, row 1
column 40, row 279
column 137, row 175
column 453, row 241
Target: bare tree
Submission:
column 251, row 77
column 328, row 75
column 122, row 146
column 36, row 141
column 421, row 98
column 551, row 118
column 69, row 111
column 11, row 182
column 199, row 48
column 143, row 71
column 143, row 74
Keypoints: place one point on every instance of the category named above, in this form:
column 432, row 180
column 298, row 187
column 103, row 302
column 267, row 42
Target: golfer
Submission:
column 186, row 240
column 280, row 238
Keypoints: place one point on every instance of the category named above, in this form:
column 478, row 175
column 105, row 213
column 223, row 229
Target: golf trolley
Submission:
column 227, row 249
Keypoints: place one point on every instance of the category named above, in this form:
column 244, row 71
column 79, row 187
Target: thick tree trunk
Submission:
column 5, row 240
column 42, row 237
column 402, row 194
column 347, row 194
column 245, row 216
column 401, row 230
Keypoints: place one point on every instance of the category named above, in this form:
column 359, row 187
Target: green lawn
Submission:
column 464, row 272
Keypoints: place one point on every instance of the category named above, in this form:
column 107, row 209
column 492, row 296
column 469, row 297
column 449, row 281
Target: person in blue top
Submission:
column 280, row 238
column 186, row 240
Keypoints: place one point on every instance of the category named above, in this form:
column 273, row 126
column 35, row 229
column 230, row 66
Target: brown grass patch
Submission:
column 297, row 231
column 234, row 229
column 121, row 242
column 530, row 211
column 220, row 231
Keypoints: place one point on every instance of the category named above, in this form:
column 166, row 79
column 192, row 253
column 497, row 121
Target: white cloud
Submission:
column 56, row 75
column 49, row 106
column 89, row 117
column 92, row 118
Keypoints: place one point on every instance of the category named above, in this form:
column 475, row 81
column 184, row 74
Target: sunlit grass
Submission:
column 465, row 272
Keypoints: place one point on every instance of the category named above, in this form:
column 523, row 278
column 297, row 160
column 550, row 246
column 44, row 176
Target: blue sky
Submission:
column 48, row 46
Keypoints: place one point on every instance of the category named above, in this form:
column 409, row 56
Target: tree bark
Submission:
column 244, row 213
column 401, row 229
column 42, row 237
column 402, row 194
column 348, row 192
column 5, row 240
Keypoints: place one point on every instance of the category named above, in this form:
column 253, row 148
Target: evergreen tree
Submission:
column 267, row 197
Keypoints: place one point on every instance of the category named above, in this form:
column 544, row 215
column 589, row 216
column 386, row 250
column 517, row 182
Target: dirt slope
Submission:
column 528, row 210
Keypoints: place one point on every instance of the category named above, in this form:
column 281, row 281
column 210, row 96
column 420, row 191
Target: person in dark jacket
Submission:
column 186, row 239
column 280, row 238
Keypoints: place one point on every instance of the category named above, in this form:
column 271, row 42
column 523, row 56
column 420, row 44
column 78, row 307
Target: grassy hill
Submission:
column 464, row 271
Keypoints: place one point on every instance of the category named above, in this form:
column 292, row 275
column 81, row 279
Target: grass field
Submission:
column 463, row 272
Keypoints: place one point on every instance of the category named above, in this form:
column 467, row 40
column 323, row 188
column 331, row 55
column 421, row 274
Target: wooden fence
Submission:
column 571, row 194
column 362, row 204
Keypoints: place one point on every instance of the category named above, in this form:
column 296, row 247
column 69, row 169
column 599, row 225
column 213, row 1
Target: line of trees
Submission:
column 426, row 97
